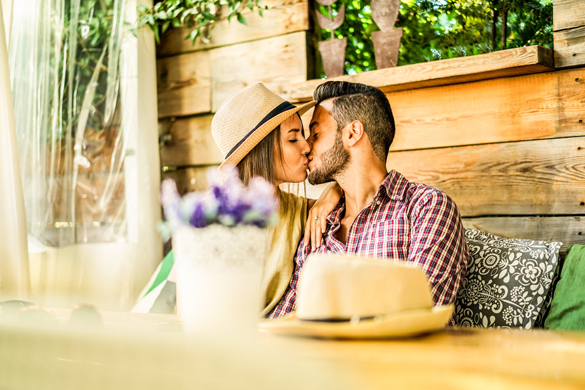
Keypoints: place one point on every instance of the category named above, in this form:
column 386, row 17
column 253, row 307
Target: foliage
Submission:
column 440, row 29
column 197, row 15
column 86, row 28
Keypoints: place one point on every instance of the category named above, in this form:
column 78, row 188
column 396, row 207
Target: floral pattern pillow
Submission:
column 507, row 281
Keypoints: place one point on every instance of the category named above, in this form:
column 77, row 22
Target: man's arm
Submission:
column 438, row 244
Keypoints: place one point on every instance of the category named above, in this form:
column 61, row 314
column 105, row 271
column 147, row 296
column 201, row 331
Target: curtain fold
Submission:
column 14, row 265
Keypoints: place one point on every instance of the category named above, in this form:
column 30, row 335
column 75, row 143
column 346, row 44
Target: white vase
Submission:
column 219, row 273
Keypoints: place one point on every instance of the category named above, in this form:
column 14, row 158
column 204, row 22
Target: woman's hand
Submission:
column 317, row 218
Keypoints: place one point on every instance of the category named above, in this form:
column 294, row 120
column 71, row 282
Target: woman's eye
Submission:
column 293, row 140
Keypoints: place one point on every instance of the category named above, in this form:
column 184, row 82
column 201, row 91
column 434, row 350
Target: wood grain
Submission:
column 277, row 62
column 568, row 230
column 184, row 84
column 544, row 177
column 570, row 47
column 568, row 14
column 545, row 105
column 505, row 63
column 191, row 142
column 188, row 179
column 281, row 17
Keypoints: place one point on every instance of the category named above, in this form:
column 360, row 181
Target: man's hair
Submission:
column 364, row 103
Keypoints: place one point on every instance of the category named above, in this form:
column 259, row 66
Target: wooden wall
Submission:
column 503, row 134
column 193, row 81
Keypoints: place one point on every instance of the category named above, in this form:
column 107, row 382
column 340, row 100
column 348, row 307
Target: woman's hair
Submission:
column 260, row 160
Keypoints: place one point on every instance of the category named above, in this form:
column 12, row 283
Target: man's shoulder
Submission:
column 422, row 192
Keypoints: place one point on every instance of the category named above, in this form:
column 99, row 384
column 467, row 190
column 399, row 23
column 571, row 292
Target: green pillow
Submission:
column 567, row 310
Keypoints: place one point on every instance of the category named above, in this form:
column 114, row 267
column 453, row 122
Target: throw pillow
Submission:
column 567, row 311
column 506, row 282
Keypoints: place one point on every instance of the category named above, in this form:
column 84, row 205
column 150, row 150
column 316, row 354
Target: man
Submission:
column 382, row 214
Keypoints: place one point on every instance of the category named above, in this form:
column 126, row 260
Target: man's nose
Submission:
column 306, row 148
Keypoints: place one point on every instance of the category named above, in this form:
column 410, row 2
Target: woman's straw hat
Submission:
column 352, row 297
column 245, row 118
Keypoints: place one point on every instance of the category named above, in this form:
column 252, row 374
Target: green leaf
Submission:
column 260, row 13
column 241, row 19
column 156, row 35
column 208, row 16
column 142, row 9
column 165, row 26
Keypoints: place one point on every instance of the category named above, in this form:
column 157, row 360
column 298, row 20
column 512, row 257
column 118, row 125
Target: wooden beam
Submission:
column 505, row 63
column 281, row 17
column 568, row 230
column 277, row 62
column 544, row 177
column 545, row 105
column 570, row 47
column 191, row 142
column 184, row 84
column 568, row 14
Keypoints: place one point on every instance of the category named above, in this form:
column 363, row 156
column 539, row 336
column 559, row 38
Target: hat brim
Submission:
column 404, row 324
column 261, row 132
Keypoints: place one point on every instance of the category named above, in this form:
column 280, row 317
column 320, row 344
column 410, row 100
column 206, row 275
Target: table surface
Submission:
column 455, row 358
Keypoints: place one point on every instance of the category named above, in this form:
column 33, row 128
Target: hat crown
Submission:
column 341, row 287
column 239, row 114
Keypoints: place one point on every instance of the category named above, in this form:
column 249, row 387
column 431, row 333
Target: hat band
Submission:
column 282, row 107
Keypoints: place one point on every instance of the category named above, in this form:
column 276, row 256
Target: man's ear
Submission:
column 355, row 132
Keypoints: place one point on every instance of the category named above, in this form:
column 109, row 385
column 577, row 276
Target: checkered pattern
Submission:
column 405, row 221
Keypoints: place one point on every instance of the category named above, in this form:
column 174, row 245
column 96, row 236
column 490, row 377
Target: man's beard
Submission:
column 333, row 162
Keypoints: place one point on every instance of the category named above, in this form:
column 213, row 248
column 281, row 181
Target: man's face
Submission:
column 327, row 157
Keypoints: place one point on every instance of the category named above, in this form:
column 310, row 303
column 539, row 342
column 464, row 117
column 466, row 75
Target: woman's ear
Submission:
column 355, row 132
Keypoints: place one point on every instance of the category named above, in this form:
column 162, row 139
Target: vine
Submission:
column 199, row 16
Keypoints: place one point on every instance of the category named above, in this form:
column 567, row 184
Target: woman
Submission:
column 262, row 134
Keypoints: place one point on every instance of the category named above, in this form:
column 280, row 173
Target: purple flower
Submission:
column 226, row 202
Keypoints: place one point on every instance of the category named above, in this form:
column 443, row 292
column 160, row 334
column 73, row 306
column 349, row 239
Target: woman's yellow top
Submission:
column 284, row 240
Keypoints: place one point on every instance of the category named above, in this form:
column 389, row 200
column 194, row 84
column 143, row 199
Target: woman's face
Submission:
column 291, row 167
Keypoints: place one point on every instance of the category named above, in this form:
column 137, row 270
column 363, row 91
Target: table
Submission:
column 138, row 351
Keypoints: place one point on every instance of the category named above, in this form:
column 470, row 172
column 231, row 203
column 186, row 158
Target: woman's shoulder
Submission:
column 290, row 201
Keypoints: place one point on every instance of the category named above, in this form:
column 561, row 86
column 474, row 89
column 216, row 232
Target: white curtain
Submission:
column 14, row 266
column 90, row 177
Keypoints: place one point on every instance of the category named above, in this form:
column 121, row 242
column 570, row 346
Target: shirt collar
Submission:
column 394, row 185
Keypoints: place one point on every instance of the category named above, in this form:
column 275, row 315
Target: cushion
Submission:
column 567, row 310
column 507, row 281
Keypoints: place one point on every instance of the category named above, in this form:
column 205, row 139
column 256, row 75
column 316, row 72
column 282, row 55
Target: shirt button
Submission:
column 377, row 202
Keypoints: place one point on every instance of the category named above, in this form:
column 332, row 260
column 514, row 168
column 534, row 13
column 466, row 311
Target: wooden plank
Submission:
column 505, row 63
column 570, row 47
column 281, row 17
column 277, row 62
column 191, row 142
column 568, row 230
column 568, row 14
column 184, row 84
column 545, row 105
column 544, row 177
column 188, row 179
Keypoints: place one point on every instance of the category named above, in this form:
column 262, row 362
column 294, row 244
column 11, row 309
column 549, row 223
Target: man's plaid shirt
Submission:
column 405, row 221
